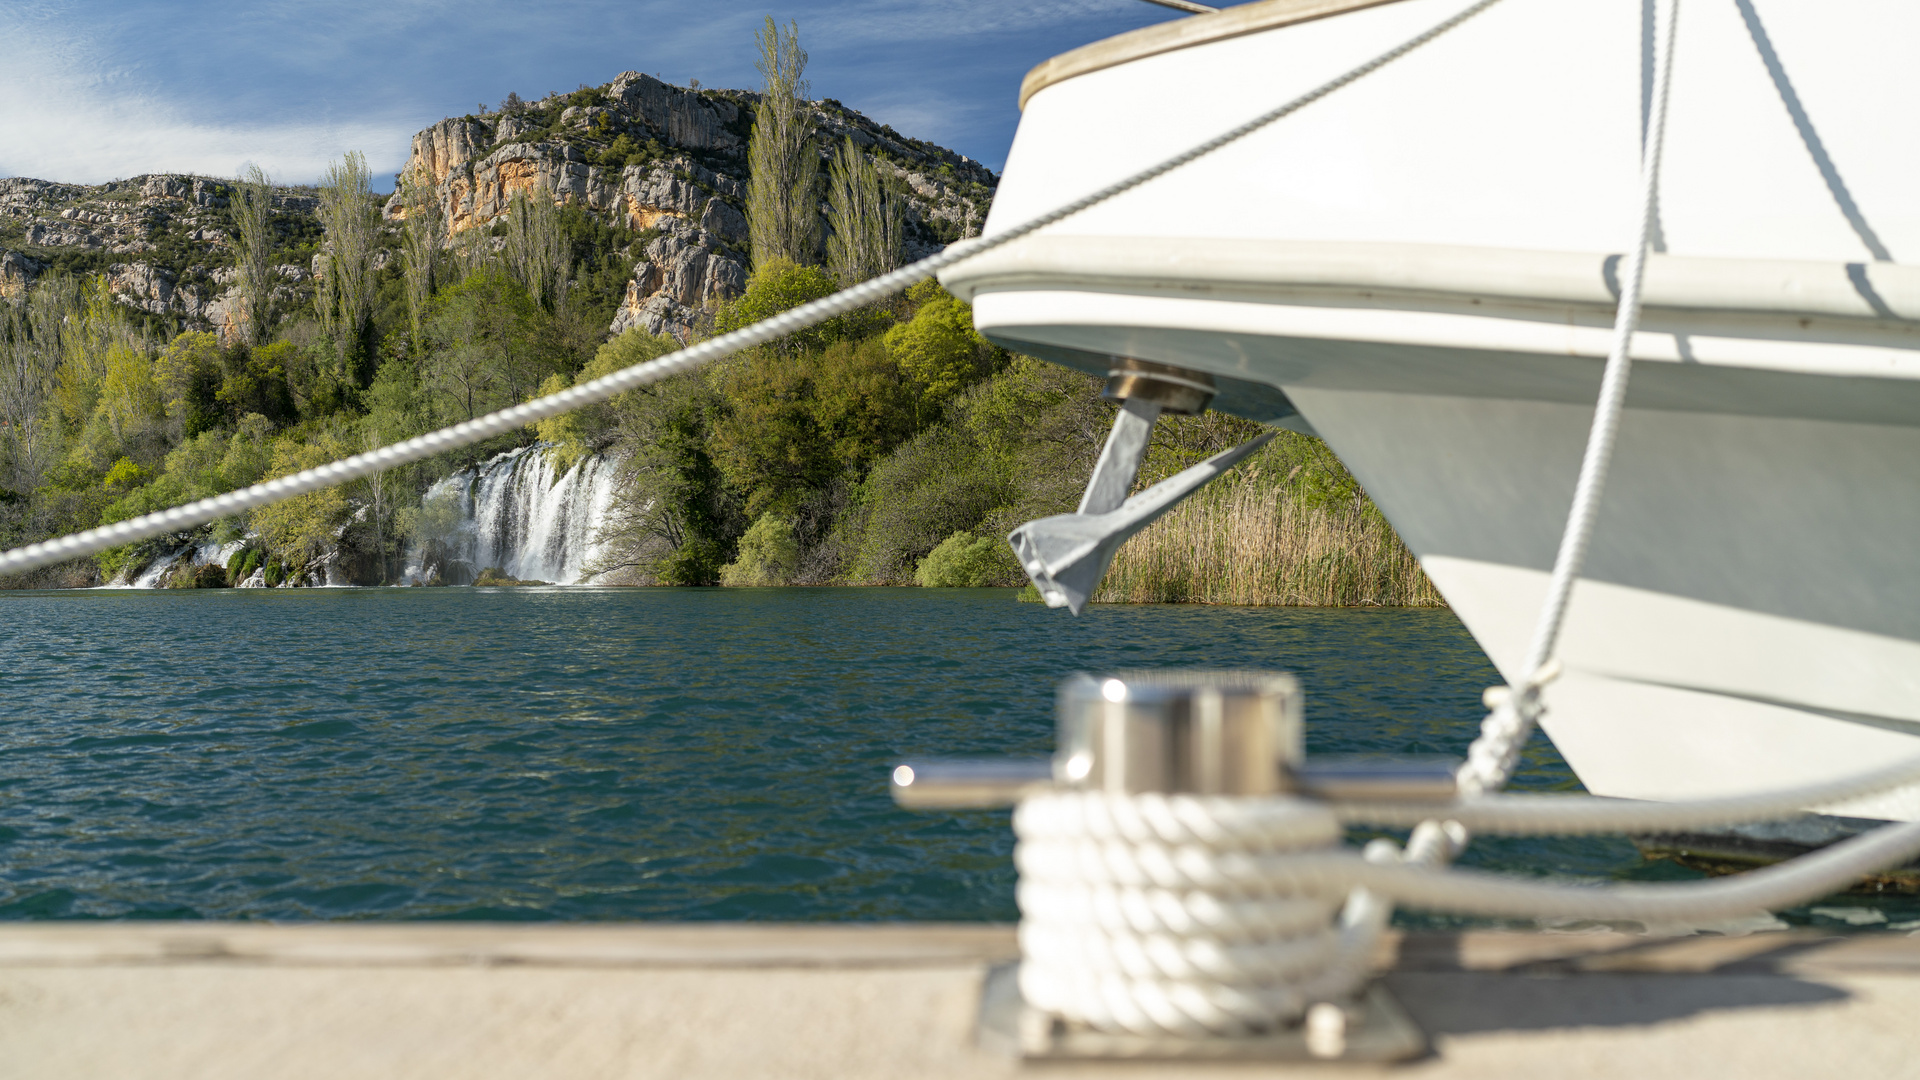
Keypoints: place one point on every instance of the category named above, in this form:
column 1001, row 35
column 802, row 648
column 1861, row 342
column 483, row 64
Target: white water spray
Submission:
column 514, row 513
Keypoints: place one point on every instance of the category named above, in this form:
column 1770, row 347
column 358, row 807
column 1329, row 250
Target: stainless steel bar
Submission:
column 962, row 783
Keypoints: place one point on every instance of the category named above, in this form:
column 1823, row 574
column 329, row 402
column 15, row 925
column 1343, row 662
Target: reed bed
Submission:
column 1247, row 539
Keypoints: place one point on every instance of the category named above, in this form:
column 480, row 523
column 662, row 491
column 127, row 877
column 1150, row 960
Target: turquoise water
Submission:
column 611, row 754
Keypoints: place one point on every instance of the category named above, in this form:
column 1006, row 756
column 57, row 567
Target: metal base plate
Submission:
column 1384, row 1033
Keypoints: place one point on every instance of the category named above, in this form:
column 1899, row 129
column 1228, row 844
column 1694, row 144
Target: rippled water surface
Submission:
column 611, row 754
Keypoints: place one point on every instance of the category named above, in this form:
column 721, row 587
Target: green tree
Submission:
column 538, row 254
column 344, row 299
column 966, row 561
column 420, row 248
column 251, row 207
column 484, row 347
column 783, row 183
column 768, row 554
column 867, row 219
column 862, row 403
column 939, row 348
column 673, row 520
column 300, row 529
column 189, row 373
column 588, row 430
column 781, row 284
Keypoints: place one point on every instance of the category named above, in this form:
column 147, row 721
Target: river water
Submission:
column 621, row 753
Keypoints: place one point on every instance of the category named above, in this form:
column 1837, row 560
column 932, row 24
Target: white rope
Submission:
column 1491, row 758
column 1185, row 915
column 180, row 518
column 1575, row 815
column 1114, row 934
column 1515, row 710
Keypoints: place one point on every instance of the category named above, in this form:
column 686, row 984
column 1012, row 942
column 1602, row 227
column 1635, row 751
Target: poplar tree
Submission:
column 867, row 219
column 426, row 234
column 783, row 189
column 344, row 299
column 537, row 250
column 252, row 210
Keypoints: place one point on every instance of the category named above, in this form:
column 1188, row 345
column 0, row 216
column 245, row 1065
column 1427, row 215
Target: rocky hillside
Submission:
column 664, row 163
column 163, row 241
column 670, row 163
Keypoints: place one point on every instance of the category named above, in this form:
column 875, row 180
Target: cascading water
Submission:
column 514, row 513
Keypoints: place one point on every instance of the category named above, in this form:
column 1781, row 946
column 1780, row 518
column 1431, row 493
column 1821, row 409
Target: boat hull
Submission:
column 1433, row 296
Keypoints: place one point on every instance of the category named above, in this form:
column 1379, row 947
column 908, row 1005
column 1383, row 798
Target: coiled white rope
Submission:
column 1116, row 935
column 180, row 518
column 1187, row 915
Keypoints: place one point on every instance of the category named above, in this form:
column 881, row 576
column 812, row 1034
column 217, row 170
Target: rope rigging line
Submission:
column 190, row 515
column 1436, row 841
column 1491, row 758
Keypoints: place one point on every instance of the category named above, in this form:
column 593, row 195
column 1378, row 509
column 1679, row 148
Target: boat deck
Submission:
column 162, row 1000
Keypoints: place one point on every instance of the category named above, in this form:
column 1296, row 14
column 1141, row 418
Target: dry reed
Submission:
column 1246, row 539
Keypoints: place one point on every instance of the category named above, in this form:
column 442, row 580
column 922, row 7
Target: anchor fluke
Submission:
column 1067, row 554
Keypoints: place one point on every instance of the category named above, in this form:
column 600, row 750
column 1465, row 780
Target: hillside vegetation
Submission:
column 166, row 339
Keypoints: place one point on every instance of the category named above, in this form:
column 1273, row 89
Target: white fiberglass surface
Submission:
column 1519, row 129
column 1666, row 697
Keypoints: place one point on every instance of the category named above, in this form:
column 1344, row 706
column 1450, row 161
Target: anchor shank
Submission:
column 1120, row 459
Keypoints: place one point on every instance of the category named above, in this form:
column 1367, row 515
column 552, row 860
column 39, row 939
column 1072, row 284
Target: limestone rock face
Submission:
column 671, row 161
column 684, row 118
column 16, row 274
column 685, row 272
column 449, row 145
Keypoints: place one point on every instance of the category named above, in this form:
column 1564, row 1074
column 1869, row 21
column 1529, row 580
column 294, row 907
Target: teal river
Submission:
column 619, row 753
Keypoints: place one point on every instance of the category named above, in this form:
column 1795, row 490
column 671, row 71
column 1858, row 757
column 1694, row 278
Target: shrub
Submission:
column 494, row 576
column 768, row 554
column 187, row 575
column 966, row 561
column 242, row 564
column 696, row 562
column 938, row 347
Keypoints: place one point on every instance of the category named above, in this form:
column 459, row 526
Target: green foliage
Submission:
column 966, row 561
column 241, row 564
column 124, row 475
column 783, row 182
column 939, row 348
column 696, row 562
column 779, row 285
column 673, row 519
column 187, row 575
column 255, row 382
column 301, row 528
column 486, row 351
column 867, row 215
column 941, row 482
column 576, row 434
column 769, row 555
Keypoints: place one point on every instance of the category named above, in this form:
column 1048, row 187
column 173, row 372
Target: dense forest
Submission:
column 891, row 446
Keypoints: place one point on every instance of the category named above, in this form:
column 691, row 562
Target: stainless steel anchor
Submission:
column 1066, row 555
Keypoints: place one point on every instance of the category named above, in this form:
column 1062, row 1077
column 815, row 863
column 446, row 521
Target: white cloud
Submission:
column 67, row 113
column 207, row 85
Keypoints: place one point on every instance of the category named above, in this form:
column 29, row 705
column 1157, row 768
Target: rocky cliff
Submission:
column 162, row 241
column 668, row 163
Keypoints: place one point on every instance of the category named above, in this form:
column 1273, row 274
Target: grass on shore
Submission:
column 1253, row 538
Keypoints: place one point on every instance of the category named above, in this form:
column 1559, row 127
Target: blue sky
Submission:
column 92, row 92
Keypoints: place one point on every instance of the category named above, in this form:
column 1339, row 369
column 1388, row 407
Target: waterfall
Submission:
column 512, row 512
